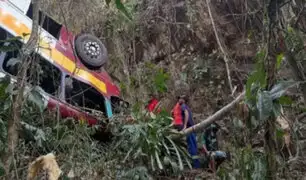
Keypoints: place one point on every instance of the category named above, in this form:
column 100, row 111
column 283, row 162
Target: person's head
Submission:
column 182, row 99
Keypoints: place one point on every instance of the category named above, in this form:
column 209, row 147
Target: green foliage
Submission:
column 137, row 173
column 280, row 88
column 160, row 80
column 265, row 103
column 285, row 100
column 4, row 111
column 258, row 78
column 120, row 7
column 147, row 142
column 154, row 78
column 12, row 44
column 246, row 164
column 294, row 40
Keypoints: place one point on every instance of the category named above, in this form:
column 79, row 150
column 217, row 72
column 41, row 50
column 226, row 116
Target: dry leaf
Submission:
column 46, row 163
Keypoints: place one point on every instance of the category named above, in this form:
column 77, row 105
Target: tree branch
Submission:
column 218, row 115
column 226, row 59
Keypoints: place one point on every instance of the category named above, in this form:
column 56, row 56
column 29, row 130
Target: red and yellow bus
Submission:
column 69, row 68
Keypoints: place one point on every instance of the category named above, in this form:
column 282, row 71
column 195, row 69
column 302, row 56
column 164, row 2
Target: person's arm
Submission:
column 204, row 144
column 205, row 151
column 186, row 115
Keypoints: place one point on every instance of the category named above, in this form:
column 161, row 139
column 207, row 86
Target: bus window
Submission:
column 52, row 27
column 48, row 23
column 3, row 35
column 45, row 74
column 41, row 72
column 84, row 96
column 11, row 60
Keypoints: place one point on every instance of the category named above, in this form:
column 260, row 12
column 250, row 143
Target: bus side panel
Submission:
column 68, row 111
column 22, row 5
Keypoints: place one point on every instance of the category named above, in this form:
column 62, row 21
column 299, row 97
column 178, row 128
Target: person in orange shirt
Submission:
column 182, row 119
column 177, row 122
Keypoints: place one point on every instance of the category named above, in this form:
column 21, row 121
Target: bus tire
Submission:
column 91, row 51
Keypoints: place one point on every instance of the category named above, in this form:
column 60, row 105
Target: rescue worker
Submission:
column 176, row 112
column 188, row 122
column 214, row 157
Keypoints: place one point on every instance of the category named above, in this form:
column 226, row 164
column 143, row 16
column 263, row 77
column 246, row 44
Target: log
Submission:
column 218, row 115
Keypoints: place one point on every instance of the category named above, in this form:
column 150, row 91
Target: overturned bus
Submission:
column 69, row 68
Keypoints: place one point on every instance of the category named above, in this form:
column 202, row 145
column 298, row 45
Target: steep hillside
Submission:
column 206, row 49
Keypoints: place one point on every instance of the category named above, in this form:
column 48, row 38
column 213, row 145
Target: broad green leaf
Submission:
column 166, row 147
column 279, row 60
column 177, row 153
column 277, row 109
column 152, row 163
column 285, row 100
column 36, row 133
column 186, row 157
column 257, row 78
column 264, row 104
column 260, row 69
column 122, row 8
column 251, row 79
column 35, row 97
column 280, row 88
column 13, row 61
column 160, row 165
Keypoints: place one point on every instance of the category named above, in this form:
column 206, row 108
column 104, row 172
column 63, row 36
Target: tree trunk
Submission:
column 14, row 122
column 270, row 145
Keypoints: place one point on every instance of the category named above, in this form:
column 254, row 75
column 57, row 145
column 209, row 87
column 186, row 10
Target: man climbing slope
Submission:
column 188, row 122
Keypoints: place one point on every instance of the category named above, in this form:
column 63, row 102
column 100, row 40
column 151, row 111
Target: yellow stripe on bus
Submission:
column 19, row 28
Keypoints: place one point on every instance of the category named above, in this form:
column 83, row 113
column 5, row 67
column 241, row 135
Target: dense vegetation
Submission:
column 214, row 51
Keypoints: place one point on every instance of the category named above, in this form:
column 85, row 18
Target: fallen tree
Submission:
column 217, row 116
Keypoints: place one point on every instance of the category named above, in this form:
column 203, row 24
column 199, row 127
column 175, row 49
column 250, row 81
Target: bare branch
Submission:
column 225, row 57
column 218, row 115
